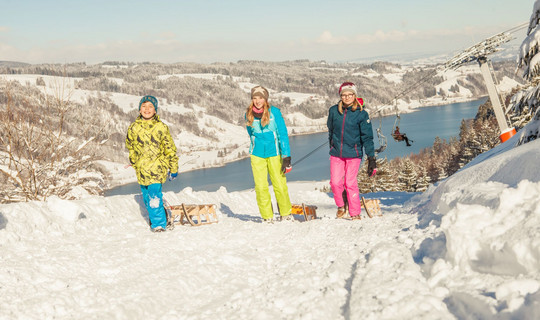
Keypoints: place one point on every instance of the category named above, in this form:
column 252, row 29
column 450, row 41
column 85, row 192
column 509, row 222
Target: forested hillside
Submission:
column 379, row 82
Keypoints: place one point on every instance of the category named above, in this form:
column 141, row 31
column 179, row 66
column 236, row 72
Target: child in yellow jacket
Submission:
column 152, row 153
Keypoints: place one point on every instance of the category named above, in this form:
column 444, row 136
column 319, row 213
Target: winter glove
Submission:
column 372, row 166
column 286, row 165
column 173, row 176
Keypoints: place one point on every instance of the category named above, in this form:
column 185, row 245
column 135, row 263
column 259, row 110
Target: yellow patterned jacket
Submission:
column 152, row 151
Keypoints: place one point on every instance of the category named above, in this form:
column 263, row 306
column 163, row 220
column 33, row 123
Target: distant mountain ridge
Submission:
column 13, row 64
column 507, row 52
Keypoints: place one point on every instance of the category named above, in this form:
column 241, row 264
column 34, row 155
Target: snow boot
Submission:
column 341, row 211
column 158, row 229
column 288, row 217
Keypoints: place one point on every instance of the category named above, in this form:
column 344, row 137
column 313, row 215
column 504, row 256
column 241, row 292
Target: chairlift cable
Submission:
column 517, row 28
column 309, row 154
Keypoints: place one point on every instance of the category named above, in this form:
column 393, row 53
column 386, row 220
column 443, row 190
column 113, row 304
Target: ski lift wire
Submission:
column 309, row 154
column 518, row 27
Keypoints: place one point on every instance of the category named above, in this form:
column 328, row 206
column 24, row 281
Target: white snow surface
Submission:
column 467, row 248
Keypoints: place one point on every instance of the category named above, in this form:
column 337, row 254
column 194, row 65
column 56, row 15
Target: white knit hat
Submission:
column 348, row 86
column 259, row 91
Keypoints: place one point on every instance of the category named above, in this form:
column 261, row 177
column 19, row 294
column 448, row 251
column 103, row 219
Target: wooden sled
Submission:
column 372, row 207
column 194, row 214
column 308, row 212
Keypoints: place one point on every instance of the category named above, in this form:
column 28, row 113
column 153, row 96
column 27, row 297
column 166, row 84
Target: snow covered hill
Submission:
column 466, row 248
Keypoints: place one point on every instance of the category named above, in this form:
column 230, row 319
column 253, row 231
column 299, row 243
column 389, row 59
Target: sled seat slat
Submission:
column 372, row 207
column 307, row 211
column 194, row 214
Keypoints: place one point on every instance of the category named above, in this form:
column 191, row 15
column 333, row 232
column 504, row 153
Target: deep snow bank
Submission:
column 488, row 215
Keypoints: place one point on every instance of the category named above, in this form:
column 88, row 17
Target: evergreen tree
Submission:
column 407, row 177
column 422, row 183
column 525, row 102
column 465, row 136
column 384, row 180
column 453, row 153
column 442, row 174
column 530, row 48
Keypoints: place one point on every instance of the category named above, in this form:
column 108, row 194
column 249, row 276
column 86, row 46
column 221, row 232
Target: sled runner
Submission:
column 372, row 207
column 308, row 212
column 194, row 214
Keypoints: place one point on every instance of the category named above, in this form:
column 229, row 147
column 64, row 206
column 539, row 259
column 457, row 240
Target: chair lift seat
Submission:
column 397, row 137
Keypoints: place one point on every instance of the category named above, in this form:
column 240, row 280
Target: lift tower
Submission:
column 479, row 53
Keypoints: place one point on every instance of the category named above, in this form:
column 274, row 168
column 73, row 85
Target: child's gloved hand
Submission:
column 372, row 166
column 286, row 165
column 173, row 176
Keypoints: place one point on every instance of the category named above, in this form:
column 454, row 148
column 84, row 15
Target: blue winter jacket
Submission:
column 349, row 132
column 271, row 140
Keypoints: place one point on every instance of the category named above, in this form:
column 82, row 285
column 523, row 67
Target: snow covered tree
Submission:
column 422, row 183
column 525, row 102
column 467, row 153
column 385, row 177
column 488, row 134
column 40, row 82
column 519, row 120
column 407, row 177
column 384, row 180
column 529, row 53
column 442, row 174
column 438, row 160
column 37, row 158
column 453, row 154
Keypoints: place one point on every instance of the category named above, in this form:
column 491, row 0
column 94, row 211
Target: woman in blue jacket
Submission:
column 349, row 133
column 269, row 153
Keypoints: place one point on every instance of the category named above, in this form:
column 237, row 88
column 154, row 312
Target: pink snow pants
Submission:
column 343, row 172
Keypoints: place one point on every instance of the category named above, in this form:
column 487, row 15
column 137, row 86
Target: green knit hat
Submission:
column 152, row 99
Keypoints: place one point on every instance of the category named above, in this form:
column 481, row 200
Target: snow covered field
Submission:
column 468, row 248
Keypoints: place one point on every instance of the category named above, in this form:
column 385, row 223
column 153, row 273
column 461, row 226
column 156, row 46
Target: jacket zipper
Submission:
column 342, row 131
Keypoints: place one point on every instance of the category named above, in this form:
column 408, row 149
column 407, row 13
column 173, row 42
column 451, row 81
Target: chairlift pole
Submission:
column 506, row 131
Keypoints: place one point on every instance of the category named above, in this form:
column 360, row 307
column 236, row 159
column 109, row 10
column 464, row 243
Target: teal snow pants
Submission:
column 261, row 167
column 153, row 200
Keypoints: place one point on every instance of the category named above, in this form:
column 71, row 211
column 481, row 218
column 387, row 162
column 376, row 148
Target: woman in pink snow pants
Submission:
column 350, row 134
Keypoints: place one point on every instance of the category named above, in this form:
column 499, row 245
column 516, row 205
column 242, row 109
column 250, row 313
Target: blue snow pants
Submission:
column 153, row 200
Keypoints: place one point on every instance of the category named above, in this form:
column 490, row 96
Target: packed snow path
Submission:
column 97, row 259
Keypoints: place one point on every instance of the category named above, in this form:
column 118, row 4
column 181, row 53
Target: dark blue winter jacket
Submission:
column 349, row 132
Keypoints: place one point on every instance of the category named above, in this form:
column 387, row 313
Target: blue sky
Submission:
column 206, row 31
